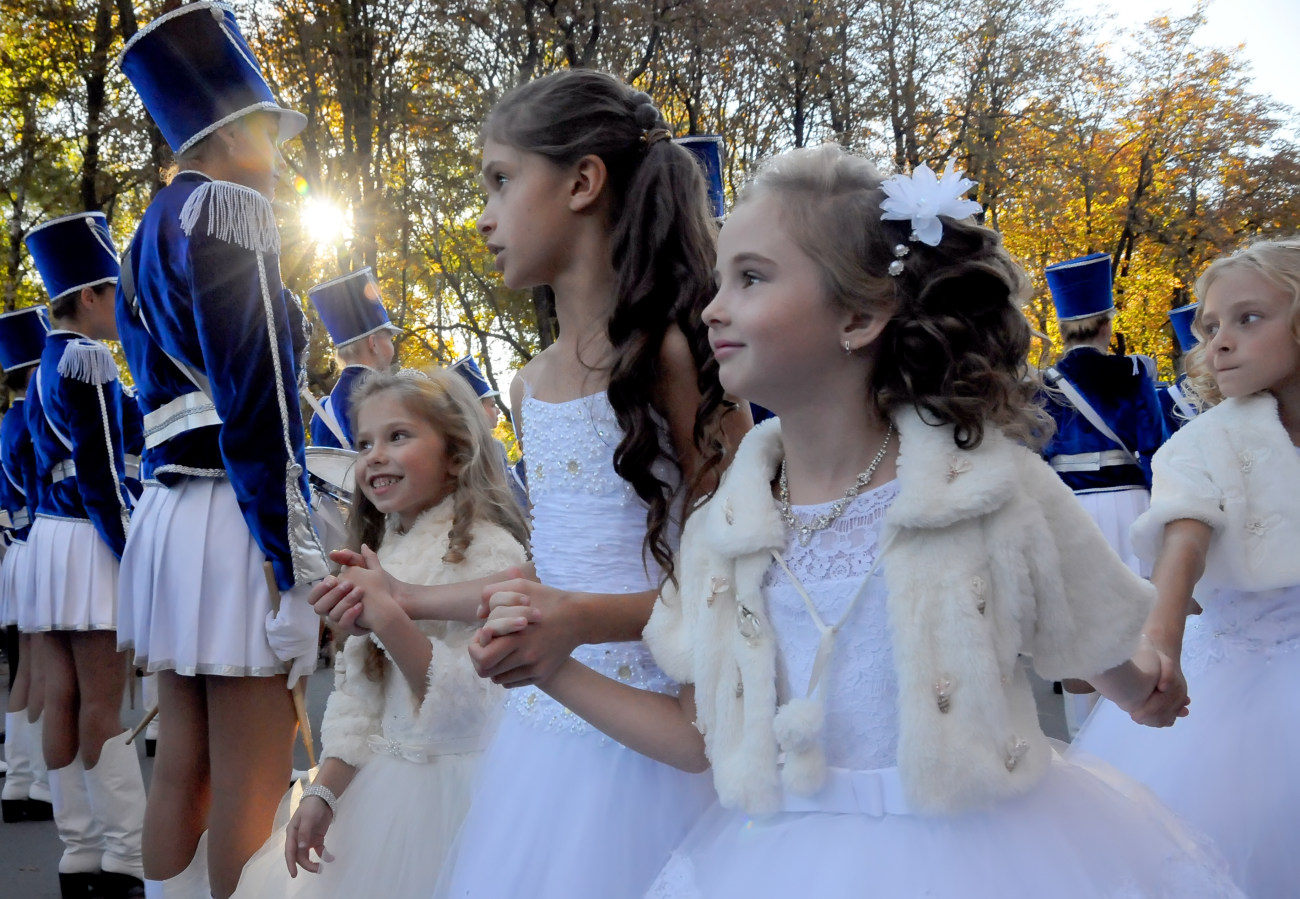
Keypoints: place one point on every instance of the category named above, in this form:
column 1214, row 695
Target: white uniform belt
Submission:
column 876, row 792
column 21, row 518
column 1090, row 461
column 63, row 470
column 133, row 466
column 187, row 412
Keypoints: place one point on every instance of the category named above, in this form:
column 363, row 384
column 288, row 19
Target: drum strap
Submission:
column 1084, row 408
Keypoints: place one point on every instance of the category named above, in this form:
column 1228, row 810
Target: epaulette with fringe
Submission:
column 88, row 361
column 236, row 214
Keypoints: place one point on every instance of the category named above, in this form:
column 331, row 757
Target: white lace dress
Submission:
column 1229, row 768
column 560, row 810
column 1077, row 834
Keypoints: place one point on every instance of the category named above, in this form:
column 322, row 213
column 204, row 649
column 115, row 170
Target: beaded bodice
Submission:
column 861, row 699
column 588, row 529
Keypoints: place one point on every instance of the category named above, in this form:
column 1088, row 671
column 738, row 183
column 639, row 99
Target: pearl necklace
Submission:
column 821, row 522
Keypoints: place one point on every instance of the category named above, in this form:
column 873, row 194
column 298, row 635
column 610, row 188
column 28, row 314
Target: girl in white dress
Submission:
column 408, row 718
column 1225, row 520
column 586, row 193
column 870, row 726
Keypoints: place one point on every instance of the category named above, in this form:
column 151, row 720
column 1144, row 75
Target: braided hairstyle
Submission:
column 663, row 253
column 956, row 346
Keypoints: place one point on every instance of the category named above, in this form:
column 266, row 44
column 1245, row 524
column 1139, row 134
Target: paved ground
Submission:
column 29, row 852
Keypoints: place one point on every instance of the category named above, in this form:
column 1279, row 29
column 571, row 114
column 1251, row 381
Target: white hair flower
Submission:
column 922, row 198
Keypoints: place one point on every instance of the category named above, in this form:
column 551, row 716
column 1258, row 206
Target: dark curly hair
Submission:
column 663, row 253
column 956, row 346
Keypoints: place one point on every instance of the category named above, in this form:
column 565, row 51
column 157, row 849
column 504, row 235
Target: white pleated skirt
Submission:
column 1115, row 511
column 74, row 578
column 14, row 583
column 195, row 596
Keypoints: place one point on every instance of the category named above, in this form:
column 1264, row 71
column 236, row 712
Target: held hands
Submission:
column 529, row 630
column 306, row 832
column 362, row 590
column 1167, row 700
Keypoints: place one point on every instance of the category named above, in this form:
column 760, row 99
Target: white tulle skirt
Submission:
column 569, row 814
column 194, row 592
column 15, row 583
column 74, row 577
column 1115, row 511
column 1080, row 834
column 1229, row 768
column 396, row 822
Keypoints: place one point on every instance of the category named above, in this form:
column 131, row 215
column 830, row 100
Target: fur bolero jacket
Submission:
column 458, row 706
column 1235, row 468
column 987, row 556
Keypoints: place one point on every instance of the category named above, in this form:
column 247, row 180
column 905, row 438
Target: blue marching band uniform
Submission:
column 1177, row 407
column 351, row 309
column 26, row 794
column 1108, row 421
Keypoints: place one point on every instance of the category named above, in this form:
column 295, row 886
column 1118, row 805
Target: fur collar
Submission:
column 742, row 520
column 415, row 556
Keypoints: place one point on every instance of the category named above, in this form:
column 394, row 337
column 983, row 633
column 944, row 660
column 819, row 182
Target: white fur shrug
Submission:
column 458, row 705
column 988, row 556
column 1235, row 468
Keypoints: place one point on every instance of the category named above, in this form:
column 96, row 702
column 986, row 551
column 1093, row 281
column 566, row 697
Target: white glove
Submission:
column 294, row 634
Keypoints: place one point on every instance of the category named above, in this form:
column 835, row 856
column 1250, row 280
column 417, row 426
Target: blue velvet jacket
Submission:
column 78, row 437
column 18, row 491
column 339, row 403
column 214, row 342
column 1122, row 391
column 132, row 426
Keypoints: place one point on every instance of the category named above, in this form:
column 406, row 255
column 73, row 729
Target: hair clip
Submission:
column 920, row 198
column 900, row 253
column 652, row 136
column 412, row 374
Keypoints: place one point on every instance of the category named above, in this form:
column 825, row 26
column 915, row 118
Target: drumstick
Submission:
column 144, row 722
column 299, row 690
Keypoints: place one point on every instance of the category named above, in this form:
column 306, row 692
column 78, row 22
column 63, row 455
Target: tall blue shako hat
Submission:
column 1181, row 318
column 707, row 150
column 1081, row 287
column 22, row 337
column 73, row 252
column 351, row 308
column 468, row 369
column 195, row 73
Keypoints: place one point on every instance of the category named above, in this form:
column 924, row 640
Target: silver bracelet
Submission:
column 320, row 791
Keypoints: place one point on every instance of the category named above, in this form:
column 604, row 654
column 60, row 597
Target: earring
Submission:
column 848, row 347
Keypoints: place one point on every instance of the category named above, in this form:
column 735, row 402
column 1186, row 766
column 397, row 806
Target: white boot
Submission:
column 1078, row 706
column 79, row 867
column 26, row 796
column 116, row 791
column 192, row 883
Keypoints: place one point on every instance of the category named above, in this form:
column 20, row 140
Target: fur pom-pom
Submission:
column 88, row 361
column 804, row 772
column 236, row 214
column 798, row 724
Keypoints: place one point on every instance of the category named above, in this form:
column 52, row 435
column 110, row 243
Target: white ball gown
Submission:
column 1080, row 833
column 560, row 810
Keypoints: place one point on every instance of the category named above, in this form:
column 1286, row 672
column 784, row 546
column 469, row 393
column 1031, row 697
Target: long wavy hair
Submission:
column 956, row 345
column 1277, row 261
column 480, row 492
column 663, row 254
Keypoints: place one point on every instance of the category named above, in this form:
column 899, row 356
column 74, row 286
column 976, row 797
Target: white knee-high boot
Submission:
column 79, row 867
column 26, row 794
column 192, row 883
column 116, row 790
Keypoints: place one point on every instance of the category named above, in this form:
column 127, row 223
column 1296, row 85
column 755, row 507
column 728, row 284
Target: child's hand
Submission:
column 340, row 598
column 1167, row 700
column 306, row 831
column 527, row 635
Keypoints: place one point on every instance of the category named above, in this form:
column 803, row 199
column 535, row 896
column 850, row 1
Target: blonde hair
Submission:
column 480, row 492
column 1277, row 261
column 957, row 345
